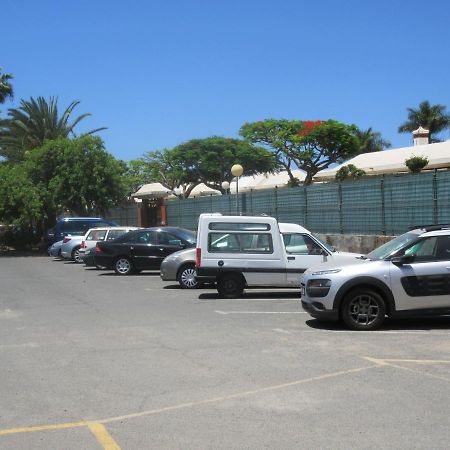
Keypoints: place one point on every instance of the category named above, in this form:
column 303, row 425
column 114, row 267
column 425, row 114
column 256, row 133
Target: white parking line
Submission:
column 259, row 312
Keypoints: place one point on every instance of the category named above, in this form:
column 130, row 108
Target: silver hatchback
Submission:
column 408, row 276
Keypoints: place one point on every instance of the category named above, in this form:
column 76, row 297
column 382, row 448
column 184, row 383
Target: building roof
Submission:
column 393, row 161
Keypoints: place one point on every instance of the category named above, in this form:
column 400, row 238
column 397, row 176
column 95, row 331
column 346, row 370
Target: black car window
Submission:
column 113, row 234
column 144, row 237
column 165, row 238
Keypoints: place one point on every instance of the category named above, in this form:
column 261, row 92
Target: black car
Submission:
column 142, row 249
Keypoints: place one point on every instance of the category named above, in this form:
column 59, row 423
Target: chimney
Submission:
column 420, row 136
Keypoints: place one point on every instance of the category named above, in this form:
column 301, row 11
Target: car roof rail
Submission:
column 431, row 227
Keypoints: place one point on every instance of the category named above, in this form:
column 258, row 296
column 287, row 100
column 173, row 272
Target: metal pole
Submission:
column 237, row 196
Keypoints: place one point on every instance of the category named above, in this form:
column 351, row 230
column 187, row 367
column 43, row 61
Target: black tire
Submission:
column 76, row 255
column 363, row 309
column 123, row 266
column 230, row 286
column 186, row 277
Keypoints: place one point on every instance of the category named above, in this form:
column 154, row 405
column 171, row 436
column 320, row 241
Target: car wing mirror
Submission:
column 402, row 260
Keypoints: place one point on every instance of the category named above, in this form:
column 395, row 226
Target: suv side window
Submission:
column 240, row 243
column 96, row 235
column 165, row 238
column 300, row 244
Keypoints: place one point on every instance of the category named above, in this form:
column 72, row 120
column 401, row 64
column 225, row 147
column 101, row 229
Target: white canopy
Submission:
column 393, row 161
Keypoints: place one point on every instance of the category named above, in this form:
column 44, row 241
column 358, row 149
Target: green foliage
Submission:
column 6, row 89
column 20, row 199
column 371, row 141
column 432, row 117
column 77, row 175
column 34, row 122
column 416, row 163
column 349, row 171
column 206, row 161
column 310, row 148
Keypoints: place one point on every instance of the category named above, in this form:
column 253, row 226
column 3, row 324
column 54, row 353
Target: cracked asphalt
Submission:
column 92, row 360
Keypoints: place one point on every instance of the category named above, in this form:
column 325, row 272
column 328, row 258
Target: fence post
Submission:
column 251, row 201
column 435, row 198
column 383, row 208
column 305, row 190
column 341, row 221
column 276, row 202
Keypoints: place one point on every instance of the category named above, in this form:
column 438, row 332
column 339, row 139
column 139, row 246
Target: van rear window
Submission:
column 240, row 243
column 231, row 226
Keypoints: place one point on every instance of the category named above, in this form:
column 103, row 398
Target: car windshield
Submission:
column 330, row 248
column 392, row 246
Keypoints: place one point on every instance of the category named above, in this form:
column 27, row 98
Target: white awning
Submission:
column 393, row 161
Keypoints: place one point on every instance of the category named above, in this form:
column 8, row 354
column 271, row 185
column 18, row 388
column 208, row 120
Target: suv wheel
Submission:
column 76, row 256
column 230, row 286
column 123, row 266
column 186, row 277
column 363, row 309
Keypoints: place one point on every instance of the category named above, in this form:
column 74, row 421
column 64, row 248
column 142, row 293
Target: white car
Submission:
column 407, row 276
column 239, row 251
column 95, row 235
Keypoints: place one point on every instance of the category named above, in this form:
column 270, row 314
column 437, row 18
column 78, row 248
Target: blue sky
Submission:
column 158, row 73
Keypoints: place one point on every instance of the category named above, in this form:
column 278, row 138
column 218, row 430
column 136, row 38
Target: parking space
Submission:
column 94, row 360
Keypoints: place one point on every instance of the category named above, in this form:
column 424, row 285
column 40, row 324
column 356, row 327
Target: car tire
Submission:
column 186, row 277
column 76, row 255
column 230, row 286
column 123, row 266
column 363, row 309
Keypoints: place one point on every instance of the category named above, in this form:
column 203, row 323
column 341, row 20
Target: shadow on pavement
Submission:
column 251, row 295
column 406, row 324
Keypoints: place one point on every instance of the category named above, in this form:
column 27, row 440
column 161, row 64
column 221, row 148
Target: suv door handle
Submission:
column 291, row 258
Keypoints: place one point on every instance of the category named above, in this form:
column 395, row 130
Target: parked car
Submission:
column 55, row 249
column 95, row 235
column 73, row 226
column 70, row 249
column 142, row 249
column 180, row 266
column 239, row 251
column 409, row 275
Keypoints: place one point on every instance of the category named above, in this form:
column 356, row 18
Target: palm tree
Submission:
column 371, row 141
column 432, row 117
column 34, row 122
column 6, row 89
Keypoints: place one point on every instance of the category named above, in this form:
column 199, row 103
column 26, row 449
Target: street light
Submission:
column 225, row 186
column 237, row 171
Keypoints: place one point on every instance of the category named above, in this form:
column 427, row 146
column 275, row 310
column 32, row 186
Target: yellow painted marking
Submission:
column 182, row 405
column 59, row 426
column 419, row 361
column 237, row 395
column 103, row 437
column 378, row 362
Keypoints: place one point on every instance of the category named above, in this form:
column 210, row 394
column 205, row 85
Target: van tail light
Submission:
column 83, row 244
column 98, row 249
column 66, row 240
column 198, row 257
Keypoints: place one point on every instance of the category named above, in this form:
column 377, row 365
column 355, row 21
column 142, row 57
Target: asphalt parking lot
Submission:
column 91, row 360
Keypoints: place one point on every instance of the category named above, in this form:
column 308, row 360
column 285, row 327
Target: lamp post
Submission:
column 177, row 191
column 225, row 186
column 237, row 171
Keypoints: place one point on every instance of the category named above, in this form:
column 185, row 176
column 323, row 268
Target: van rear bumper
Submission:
column 208, row 275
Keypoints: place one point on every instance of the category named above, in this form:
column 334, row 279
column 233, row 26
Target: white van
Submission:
column 239, row 251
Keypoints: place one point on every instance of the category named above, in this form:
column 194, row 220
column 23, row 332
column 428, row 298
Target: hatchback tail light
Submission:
column 83, row 244
column 66, row 240
column 198, row 255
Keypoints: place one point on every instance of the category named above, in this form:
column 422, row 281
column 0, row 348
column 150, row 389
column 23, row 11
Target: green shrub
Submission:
column 349, row 172
column 416, row 163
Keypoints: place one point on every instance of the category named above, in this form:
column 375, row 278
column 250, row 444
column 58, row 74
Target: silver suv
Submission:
column 407, row 276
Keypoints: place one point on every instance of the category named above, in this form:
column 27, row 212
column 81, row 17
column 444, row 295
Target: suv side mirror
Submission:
column 401, row 260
